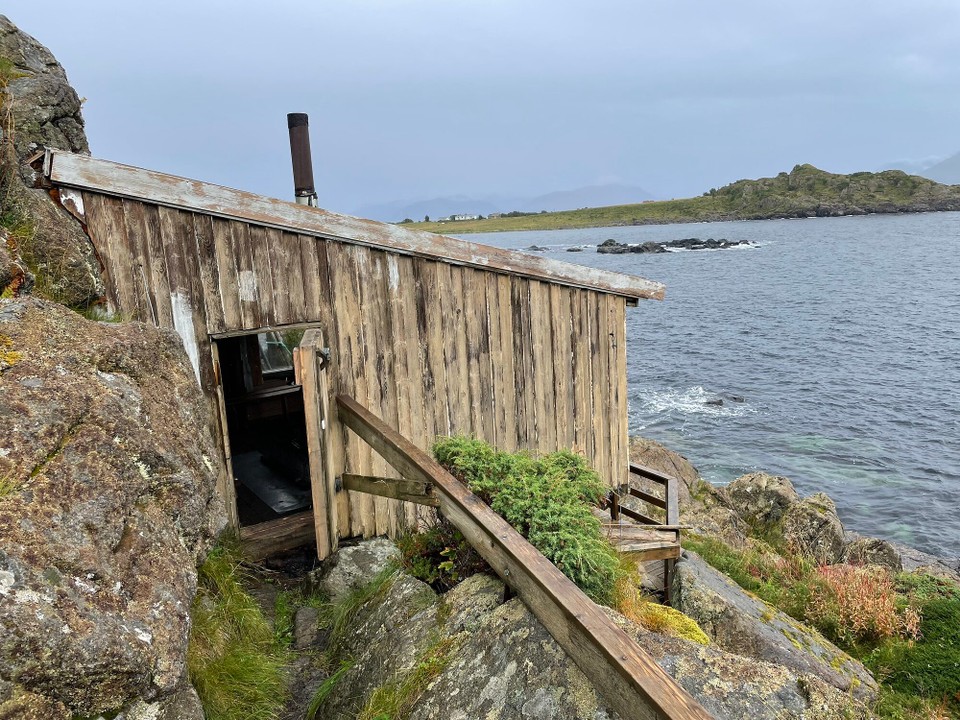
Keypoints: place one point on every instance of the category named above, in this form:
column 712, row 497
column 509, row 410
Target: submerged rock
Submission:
column 744, row 624
column 109, row 503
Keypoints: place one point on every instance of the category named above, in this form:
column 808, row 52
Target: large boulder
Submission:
column 352, row 567
column 742, row 623
column 862, row 550
column 45, row 113
column 476, row 656
column 762, row 499
column 813, row 529
column 107, row 503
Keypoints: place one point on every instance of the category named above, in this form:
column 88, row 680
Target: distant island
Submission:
column 805, row 191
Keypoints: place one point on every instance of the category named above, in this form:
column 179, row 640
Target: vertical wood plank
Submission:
column 132, row 261
column 580, row 341
column 523, row 364
column 378, row 368
column 543, row 367
column 98, row 227
column 430, row 328
column 227, row 281
column 266, row 295
column 140, row 250
column 105, row 219
column 159, row 282
column 474, row 328
column 225, row 482
column 488, row 406
column 346, row 347
column 291, row 277
column 599, row 345
column 455, row 336
column 507, row 389
column 407, row 379
column 247, row 281
column 562, row 363
column 618, row 325
column 209, row 272
column 279, row 260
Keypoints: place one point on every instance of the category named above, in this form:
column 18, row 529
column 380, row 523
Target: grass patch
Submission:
column 234, row 660
column 547, row 500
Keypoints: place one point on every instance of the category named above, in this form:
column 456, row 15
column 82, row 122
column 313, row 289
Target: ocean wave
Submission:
column 695, row 400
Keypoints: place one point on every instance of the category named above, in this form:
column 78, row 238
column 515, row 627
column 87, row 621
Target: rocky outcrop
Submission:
column 744, row 624
column 762, row 499
column 872, row 551
column 353, row 566
column 107, row 502
column 468, row 654
column 612, row 247
column 45, row 113
column 812, row 528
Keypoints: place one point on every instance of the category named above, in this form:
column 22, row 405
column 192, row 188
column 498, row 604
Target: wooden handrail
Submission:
column 628, row 679
column 671, row 500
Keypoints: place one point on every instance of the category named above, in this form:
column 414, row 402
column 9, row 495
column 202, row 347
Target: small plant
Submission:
column 631, row 603
column 440, row 556
column 860, row 604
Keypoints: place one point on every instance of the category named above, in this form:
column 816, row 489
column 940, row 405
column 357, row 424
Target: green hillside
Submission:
column 803, row 192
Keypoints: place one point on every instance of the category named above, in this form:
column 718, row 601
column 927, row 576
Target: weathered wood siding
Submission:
column 434, row 348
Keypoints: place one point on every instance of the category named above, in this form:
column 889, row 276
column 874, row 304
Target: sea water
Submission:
column 833, row 344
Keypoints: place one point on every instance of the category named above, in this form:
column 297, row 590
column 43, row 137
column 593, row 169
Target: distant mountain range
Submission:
column 943, row 171
column 588, row 196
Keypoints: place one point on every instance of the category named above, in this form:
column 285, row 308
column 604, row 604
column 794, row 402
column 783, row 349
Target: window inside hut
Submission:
column 265, row 424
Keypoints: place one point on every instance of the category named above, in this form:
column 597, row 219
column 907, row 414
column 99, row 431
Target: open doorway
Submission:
column 265, row 425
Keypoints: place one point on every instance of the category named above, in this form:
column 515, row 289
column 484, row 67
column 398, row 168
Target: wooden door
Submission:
column 310, row 363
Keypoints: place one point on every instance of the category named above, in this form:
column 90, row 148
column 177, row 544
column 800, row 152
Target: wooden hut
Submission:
column 434, row 334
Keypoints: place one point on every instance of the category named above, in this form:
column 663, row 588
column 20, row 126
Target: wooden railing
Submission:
column 628, row 679
column 669, row 503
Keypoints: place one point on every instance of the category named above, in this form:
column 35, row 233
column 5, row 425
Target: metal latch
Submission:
column 324, row 355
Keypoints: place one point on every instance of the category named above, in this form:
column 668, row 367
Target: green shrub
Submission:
column 547, row 500
column 440, row 556
column 234, row 659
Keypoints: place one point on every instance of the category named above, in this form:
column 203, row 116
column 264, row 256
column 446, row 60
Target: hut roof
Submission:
column 69, row 170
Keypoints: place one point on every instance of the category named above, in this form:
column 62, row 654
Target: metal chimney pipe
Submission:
column 299, row 126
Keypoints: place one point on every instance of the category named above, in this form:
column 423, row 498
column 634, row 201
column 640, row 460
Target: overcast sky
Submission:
column 411, row 99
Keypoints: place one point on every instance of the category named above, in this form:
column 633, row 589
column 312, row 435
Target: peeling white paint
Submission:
column 183, row 324
column 72, row 197
column 393, row 273
column 248, row 286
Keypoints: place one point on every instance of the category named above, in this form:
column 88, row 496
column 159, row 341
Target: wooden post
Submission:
column 316, row 398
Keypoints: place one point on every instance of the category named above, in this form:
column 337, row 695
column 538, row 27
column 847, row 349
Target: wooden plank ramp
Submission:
column 628, row 679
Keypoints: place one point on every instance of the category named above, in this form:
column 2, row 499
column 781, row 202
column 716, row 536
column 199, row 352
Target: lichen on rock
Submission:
column 104, row 433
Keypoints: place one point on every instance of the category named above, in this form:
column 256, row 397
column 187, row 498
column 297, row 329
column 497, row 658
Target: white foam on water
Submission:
column 692, row 401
